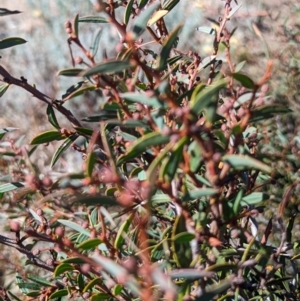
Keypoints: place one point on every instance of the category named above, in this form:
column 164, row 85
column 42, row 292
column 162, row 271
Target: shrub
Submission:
column 173, row 181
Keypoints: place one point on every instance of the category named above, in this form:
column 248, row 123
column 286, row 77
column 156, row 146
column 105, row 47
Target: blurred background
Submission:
column 265, row 30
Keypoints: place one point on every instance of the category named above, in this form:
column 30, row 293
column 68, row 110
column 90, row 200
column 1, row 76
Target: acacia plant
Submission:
column 172, row 184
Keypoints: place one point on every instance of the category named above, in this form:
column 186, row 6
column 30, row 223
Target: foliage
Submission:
column 174, row 180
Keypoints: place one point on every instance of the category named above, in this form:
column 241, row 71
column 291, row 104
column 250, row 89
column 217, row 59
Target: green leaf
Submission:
column 95, row 45
column 142, row 3
column 10, row 42
column 206, row 29
column 5, row 12
column 29, row 286
column 169, row 168
column 93, row 19
column 70, row 72
column 3, row 89
column 83, row 131
column 59, row 294
column 140, row 23
column 35, row 216
column 183, row 237
column 246, row 81
column 40, row 280
column 100, row 297
column 78, row 92
column 4, row 131
column 134, row 97
column 128, row 11
column 167, row 47
column 157, row 16
column 237, row 201
column 74, row 226
column 152, row 169
column 75, row 260
column 75, row 25
column 192, row 274
column 123, row 229
column 214, row 290
column 10, row 186
column 169, row 4
column 182, row 250
column 61, row 268
column 51, row 117
column 90, row 163
column 80, row 282
column 242, row 162
column 62, row 149
column 196, row 194
column 219, row 267
column 33, row 294
column 117, row 289
column 267, row 111
column 89, row 244
column 142, row 144
column 202, row 96
column 46, row 137
column 103, row 115
column 109, row 67
column 239, row 66
column 289, row 228
column 254, row 198
column 92, row 283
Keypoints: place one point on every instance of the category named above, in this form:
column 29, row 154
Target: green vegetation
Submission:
column 188, row 172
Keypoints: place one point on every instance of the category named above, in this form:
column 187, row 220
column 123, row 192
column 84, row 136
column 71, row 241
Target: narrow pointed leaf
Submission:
column 4, row 131
column 107, row 67
column 142, row 144
column 246, row 162
column 3, row 89
column 74, row 226
column 75, row 25
column 182, row 250
column 47, row 137
column 123, row 229
column 51, row 117
column 92, row 283
column 66, row 144
column 128, row 11
column 89, row 244
column 90, row 163
column 92, row 19
column 206, row 29
column 59, row 294
column 95, row 45
column 10, row 186
column 169, row 168
column 157, row 16
column 168, row 45
column 134, row 97
column 246, row 81
column 5, row 12
column 268, row 111
column 140, row 23
column 202, row 99
column 10, row 42
column 70, row 72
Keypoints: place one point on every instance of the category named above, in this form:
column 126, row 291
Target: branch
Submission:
column 22, row 249
column 36, row 93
